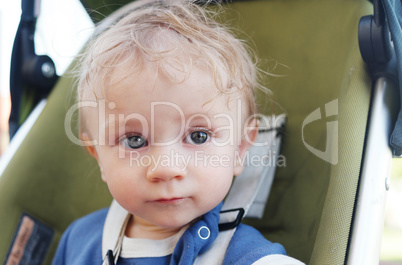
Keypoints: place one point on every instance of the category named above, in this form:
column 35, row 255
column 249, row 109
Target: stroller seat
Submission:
column 310, row 50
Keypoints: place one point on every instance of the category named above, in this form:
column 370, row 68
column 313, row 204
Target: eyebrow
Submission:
column 198, row 117
column 116, row 123
column 203, row 118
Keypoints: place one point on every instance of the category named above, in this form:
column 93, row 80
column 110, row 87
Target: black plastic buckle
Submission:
column 235, row 223
column 109, row 257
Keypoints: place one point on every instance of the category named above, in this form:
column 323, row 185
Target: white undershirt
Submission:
column 142, row 247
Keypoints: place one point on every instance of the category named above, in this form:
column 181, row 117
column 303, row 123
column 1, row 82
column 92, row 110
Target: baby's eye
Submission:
column 197, row 137
column 134, row 142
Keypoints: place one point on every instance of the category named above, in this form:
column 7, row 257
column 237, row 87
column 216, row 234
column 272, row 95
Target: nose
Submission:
column 164, row 166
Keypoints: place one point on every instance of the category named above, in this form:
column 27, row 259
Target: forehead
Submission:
column 159, row 100
column 192, row 90
column 164, row 109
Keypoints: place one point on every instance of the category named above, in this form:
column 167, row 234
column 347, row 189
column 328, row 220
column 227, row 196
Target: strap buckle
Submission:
column 233, row 224
column 109, row 258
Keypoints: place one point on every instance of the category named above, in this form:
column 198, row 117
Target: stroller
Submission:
column 326, row 203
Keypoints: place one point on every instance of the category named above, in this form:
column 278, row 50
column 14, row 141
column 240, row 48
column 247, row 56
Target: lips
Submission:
column 170, row 200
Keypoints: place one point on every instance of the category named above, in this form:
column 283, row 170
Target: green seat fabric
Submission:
column 310, row 48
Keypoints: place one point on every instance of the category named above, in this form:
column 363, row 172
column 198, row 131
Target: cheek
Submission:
column 125, row 190
column 225, row 178
column 120, row 177
column 215, row 180
column 117, row 181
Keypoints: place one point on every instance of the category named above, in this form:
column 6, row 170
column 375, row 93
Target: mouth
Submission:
column 175, row 200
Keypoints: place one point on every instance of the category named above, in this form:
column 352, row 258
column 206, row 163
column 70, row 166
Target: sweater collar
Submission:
column 197, row 238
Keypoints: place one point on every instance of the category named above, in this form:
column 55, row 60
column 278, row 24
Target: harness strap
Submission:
column 251, row 188
column 248, row 196
column 113, row 233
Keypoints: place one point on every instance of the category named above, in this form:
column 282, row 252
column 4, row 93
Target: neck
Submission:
column 141, row 228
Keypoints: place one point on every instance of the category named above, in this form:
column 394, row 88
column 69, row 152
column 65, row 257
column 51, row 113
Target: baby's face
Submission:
column 169, row 149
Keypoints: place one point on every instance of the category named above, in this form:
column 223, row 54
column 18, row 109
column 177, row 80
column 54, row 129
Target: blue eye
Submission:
column 134, row 142
column 197, row 137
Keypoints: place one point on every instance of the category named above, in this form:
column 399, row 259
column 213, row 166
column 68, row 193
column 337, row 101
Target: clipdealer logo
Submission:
column 330, row 154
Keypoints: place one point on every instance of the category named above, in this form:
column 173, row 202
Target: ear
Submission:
column 250, row 135
column 89, row 147
column 92, row 151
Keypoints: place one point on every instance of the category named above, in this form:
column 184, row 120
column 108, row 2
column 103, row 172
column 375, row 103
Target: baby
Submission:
column 170, row 114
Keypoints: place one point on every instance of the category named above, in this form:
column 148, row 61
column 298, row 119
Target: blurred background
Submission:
column 61, row 30
column 61, row 41
column 391, row 247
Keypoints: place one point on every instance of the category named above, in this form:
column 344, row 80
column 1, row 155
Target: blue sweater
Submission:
column 81, row 244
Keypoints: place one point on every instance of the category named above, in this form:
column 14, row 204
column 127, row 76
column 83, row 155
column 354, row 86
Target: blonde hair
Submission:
column 160, row 32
